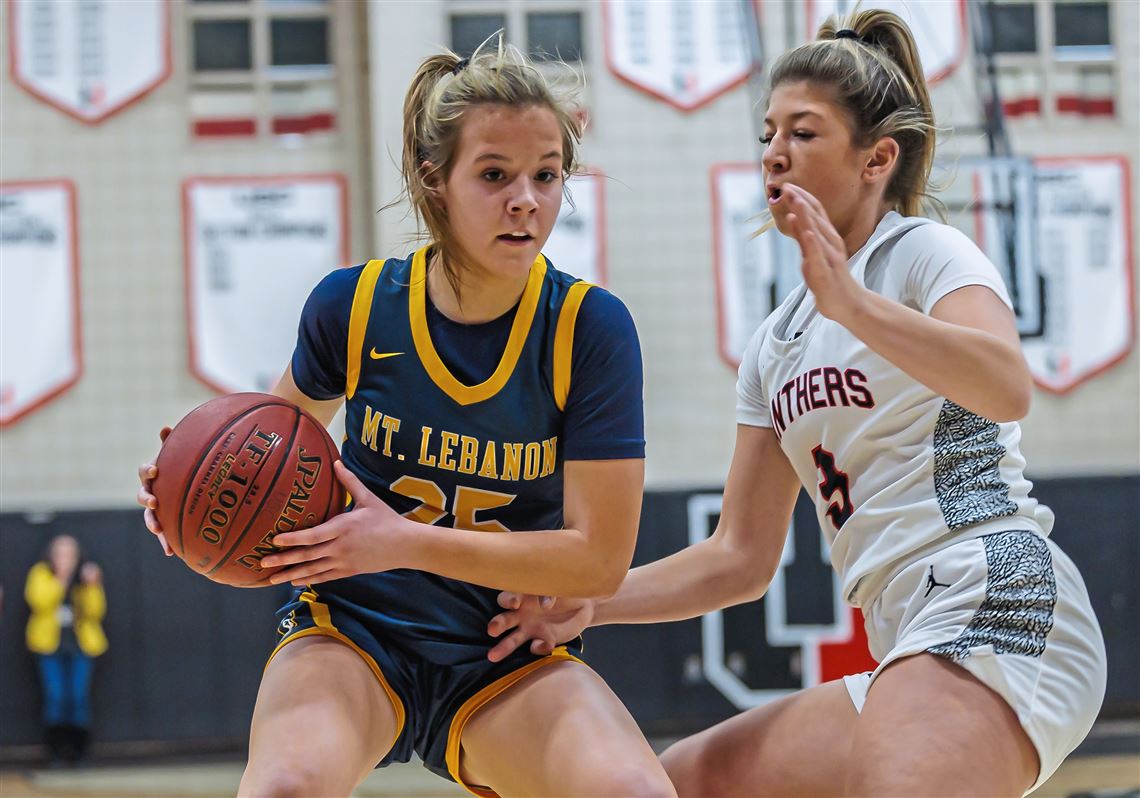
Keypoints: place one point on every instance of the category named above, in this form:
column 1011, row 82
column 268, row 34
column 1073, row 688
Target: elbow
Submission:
column 607, row 581
column 1019, row 406
column 746, row 574
column 1016, row 399
column 1020, row 393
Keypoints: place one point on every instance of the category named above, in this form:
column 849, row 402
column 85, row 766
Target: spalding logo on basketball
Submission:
column 236, row 471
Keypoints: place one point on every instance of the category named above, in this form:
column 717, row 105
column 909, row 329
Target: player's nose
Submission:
column 523, row 197
column 774, row 160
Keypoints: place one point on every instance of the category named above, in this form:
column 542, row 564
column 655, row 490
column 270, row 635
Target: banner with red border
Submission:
column 685, row 52
column 89, row 59
column 41, row 350
column 1084, row 245
column 255, row 248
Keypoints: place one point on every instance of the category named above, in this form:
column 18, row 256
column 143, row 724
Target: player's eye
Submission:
column 766, row 138
column 547, row 176
column 493, row 175
column 803, row 134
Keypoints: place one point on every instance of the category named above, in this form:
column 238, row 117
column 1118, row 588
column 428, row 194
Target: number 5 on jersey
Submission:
column 468, row 501
column 834, row 481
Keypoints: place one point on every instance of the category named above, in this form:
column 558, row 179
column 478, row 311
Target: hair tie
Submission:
column 460, row 65
column 847, row 33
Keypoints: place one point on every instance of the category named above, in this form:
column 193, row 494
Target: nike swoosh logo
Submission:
column 381, row 355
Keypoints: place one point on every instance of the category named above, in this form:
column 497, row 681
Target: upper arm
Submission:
column 323, row 409
column 604, row 417
column 977, row 306
column 42, row 589
column 759, row 496
column 950, row 279
column 319, row 364
column 602, row 499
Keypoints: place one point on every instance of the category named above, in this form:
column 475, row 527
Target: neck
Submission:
column 862, row 226
column 484, row 296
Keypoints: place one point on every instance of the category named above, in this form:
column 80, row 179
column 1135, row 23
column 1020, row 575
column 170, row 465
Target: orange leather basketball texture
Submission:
column 236, row 471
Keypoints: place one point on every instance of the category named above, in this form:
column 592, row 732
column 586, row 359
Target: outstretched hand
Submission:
column 365, row 540
column 544, row 621
column 824, row 253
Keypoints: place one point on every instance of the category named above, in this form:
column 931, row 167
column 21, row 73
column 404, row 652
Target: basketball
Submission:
column 236, row 471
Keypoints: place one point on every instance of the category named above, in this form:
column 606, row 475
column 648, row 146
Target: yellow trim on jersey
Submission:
column 358, row 322
column 564, row 340
column 475, row 702
column 470, row 394
column 324, row 626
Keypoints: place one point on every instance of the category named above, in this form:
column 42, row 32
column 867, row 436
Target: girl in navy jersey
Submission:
column 494, row 441
column 887, row 386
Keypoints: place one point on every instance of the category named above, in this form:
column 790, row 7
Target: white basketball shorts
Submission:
column 1010, row 608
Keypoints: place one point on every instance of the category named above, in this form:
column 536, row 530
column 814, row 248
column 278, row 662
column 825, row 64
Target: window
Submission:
column 554, row 35
column 261, row 67
column 221, row 45
column 1013, row 26
column 555, row 32
column 468, row 31
column 1062, row 68
column 1081, row 29
column 298, row 42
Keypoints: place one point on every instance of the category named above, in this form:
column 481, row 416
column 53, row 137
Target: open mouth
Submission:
column 516, row 238
column 774, row 194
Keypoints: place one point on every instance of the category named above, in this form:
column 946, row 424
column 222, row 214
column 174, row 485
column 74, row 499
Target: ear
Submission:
column 881, row 160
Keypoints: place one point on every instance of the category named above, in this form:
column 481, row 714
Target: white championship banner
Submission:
column 40, row 350
column 753, row 273
column 939, row 28
column 577, row 244
column 1084, row 241
column 89, row 58
column 686, row 52
column 255, row 248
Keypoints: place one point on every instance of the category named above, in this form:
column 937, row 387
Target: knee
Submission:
column 697, row 768
column 280, row 780
column 633, row 781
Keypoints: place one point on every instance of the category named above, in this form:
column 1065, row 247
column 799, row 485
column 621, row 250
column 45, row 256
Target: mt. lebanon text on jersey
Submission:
column 826, row 386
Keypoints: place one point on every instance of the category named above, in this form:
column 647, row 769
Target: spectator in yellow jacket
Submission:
column 65, row 632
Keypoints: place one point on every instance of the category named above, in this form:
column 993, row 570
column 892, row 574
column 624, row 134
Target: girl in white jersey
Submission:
column 888, row 386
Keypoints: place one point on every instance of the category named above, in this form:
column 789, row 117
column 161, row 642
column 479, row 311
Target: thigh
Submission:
column 929, row 727
column 796, row 746
column 322, row 721
column 560, row 731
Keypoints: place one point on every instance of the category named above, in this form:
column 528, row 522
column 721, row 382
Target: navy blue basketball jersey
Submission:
column 485, row 456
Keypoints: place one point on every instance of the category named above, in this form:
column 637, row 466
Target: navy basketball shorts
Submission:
column 433, row 702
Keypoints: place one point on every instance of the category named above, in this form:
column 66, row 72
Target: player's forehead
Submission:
column 495, row 132
column 794, row 101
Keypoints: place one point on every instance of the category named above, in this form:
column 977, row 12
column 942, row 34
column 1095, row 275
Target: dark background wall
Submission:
column 186, row 655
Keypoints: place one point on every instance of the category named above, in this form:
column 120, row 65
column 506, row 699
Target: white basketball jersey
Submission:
column 893, row 468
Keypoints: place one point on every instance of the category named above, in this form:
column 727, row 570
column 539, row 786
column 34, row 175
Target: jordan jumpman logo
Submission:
column 932, row 583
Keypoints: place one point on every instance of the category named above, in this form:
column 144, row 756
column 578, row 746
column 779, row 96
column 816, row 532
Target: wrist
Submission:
column 599, row 611
column 408, row 543
column 855, row 311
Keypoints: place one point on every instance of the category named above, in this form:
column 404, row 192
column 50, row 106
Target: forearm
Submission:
column 563, row 562
column 970, row 367
column 704, row 577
